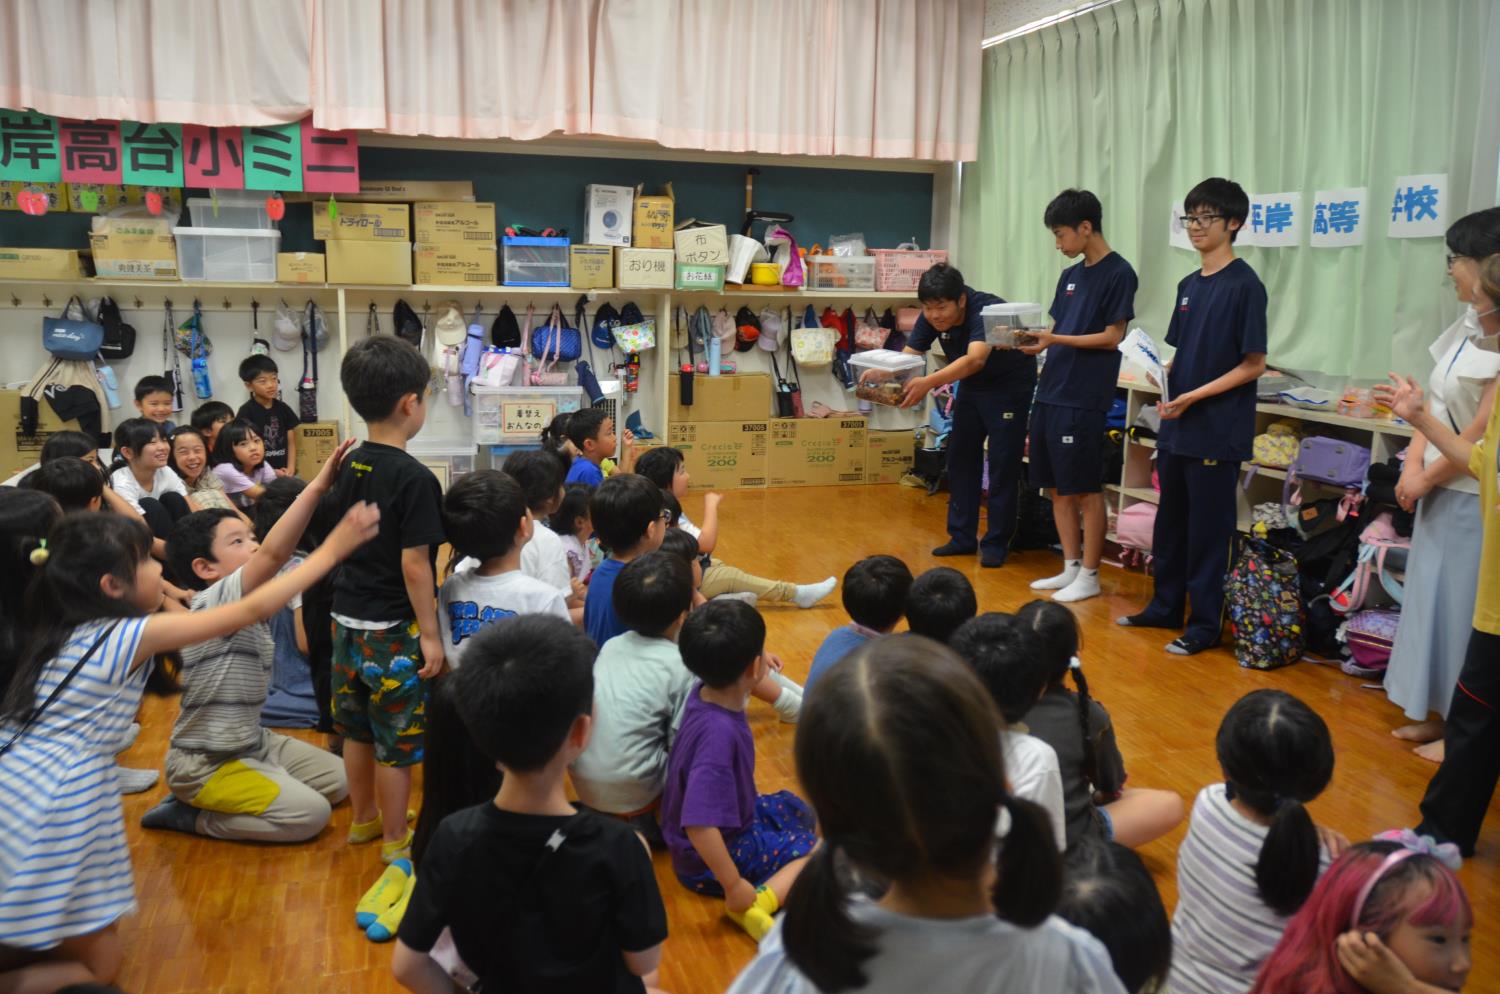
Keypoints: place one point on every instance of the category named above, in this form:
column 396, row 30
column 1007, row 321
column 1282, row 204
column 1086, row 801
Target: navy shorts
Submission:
column 1067, row 449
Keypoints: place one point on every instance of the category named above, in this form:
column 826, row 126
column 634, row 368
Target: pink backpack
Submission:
column 1135, row 527
column 1377, row 541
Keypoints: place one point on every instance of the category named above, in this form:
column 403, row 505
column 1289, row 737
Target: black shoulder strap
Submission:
column 36, row 713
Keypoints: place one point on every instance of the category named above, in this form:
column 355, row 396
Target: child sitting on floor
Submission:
column 1095, row 798
column 536, row 894
column 544, row 556
column 592, row 433
column 239, row 458
column 1002, row 652
column 575, row 529
column 725, row 840
column 666, row 467
column 939, row 601
column 629, row 519
column 874, row 594
column 1109, row 893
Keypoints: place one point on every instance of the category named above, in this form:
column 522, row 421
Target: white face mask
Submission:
column 1488, row 342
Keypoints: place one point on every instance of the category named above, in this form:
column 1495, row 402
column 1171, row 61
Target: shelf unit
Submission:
column 1259, row 484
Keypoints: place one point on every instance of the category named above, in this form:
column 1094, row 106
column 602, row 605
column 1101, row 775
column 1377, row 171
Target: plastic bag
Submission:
column 784, row 253
column 848, row 246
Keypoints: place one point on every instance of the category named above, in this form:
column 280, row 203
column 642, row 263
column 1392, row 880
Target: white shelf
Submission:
column 1136, row 493
column 1383, row 426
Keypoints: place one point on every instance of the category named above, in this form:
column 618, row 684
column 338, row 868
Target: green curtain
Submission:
column 1139, row 100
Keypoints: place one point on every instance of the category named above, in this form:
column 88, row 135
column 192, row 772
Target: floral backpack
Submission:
column 1263, row 595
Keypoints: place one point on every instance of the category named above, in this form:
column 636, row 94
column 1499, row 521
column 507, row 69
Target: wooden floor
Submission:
column 218, row 916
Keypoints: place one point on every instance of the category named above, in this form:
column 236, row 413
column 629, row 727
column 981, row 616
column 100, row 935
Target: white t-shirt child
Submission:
column 544, row 558
column 166, row 481
column 469, row 601
column 1034, row 775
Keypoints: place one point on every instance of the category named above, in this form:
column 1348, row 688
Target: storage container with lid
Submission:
column 227, row 255
column 1003, row 322
column 230, row 209
column 881, row 375
column 527, row 261
column 840, row 272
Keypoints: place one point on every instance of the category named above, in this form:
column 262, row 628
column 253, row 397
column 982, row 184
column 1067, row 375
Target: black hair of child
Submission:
column 1108, row 892
column 455, row 774
column 897, row 750
column 482, row 511
column 26, row 516
column 205, row 414
column 524, row 681
column 1277, row 756
column 584, row 425
column 1071, row 208
column 257, row 365
column 65, row 591
column 1475, row 236
column 134, row 434
column 941, row 282
column 575, row 505
column 720, row 640
column 659, row 465
column 1223, row 197
column 1002, row 651
column 652, row 592
column 939, row 601
column 70, row 481
column 192, row 538
column 555, row 436
column 278, row 497
column 67, row 443
column 623, row 508
column 680, row 544
column 231, row 435
column 539, row 474
column 380, row 370
column 874, row 591
column 148, row 385
column 1056, row 629
column 673, row 507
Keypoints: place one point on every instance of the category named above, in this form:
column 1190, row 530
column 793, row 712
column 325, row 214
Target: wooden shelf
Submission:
column 1384, row 426
column 1137, row 493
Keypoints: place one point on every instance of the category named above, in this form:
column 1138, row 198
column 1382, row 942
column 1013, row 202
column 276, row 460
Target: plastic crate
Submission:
column 237, row 209
column 899, row 270
column 517, row 415
column 447, row 458
column 840, row 272
column 534, row 261
column 227, row 255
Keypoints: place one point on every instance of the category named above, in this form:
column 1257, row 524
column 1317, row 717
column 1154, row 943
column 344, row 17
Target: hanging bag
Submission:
column 784, row 408
column 406, row 324
column 583, row 367
column 556, row 337
column 72, row 339
column 198, row 349
column 172, row 369
column 545, row 375
column 796, row 380
column 307, row 387
column 868, row 332
column 813, row 344
column 119, row 337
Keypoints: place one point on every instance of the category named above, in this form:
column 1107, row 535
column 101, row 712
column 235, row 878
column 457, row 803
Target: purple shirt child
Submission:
column 710, row 779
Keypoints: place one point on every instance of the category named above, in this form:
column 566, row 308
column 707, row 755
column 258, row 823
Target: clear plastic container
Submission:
column 448, row 458
column 834, row 272
column 227, row 255
column 534, row 261
column 517, row 415
column 880, row 375
column 1004, row 324
column 237, row 209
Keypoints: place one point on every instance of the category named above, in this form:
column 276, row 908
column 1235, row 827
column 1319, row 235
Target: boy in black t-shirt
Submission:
column 1208, row 421
column 385, row 635
column 534, row 892
column 273, row 419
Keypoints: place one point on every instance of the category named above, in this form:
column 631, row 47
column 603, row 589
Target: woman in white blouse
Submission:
column 1443, row 568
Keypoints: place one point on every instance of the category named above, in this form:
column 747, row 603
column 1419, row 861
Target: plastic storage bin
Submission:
column 534, row 261
column 448, row 458
column 517, row 415
column 899, row 270
column 227, row 255
column 236, row 210
column 1002, row 322
column 880, row 375
column 840, row 272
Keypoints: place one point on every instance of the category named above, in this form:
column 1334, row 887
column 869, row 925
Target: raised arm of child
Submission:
column 708, row 841
column 281, row 541
column 708, row 532
column 421, row 590
column 291, row 455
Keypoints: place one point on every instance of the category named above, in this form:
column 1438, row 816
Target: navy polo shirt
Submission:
column 1008, row 373
column 1088, row 300
column 1217, row 321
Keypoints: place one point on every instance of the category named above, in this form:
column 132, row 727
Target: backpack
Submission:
column 1263, row 597
column 1377, row 542
column 1370, row 636
column 1036, row 528
column 1277, row 447
column 119, row 337
column 1135, row 526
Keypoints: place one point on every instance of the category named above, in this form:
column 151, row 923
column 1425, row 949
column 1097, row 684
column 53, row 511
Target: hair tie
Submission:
column 40, row 554
column 1074, row 663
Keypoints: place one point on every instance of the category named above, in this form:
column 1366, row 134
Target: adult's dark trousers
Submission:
column 161, row 513
column 978, row 416
column 1195, row 524
column 1459, row 795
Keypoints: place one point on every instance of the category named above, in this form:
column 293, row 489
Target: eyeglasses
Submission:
column 1452, row 258
column 1199, row 220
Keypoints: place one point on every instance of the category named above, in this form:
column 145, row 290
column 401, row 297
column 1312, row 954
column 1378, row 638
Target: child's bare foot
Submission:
column 1432, row 751
column 1422, row 731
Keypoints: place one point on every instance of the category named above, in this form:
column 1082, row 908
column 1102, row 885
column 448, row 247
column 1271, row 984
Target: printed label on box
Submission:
column 528, row 418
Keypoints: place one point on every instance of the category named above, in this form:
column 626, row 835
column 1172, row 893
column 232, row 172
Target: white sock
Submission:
column 1061, row 580
column 135, row 781
column 128, row 738
column 788, row 705
column 1084, row 586
column 809, row 594
column 786, row 682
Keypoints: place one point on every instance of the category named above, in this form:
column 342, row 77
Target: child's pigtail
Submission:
column 1287, row 867
column 821, row 938
column 1085, row 707
column 1029, row 879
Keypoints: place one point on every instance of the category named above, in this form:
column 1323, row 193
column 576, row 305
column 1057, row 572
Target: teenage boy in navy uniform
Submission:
column 1093, row 301
column 1208, row 421
column 992, row 402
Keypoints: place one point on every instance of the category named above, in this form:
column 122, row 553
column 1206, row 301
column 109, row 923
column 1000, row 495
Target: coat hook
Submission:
column 226, row 303
column 138, row 304
column 46, row 301
column 15, row 301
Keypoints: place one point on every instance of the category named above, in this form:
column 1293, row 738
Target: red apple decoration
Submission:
column 153, row 202
column 275, row 207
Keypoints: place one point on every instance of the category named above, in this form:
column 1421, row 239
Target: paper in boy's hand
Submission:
column 1138, row 347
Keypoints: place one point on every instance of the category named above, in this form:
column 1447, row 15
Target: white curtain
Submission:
column 215, row 62
column 870, row 78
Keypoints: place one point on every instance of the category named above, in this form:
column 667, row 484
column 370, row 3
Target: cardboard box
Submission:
column 738, row 397
column 701, row 244
column 316, row 441
column 301, row 267
column 362, row 222
column 652, row 225
column 644, row 269
column 591, row 267
column 40, row 264
column 134, row 256
column 444, row 223
column 722, row 455
column 374, row 263
column 456, row 264
column 888, row 455
column 816, row 452
column 396, row 191
column 18, row 451
column 606, row 214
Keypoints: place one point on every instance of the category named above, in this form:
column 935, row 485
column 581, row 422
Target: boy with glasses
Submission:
column 1218, row 328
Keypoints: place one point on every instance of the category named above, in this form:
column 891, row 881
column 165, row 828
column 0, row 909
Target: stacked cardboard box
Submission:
column 366, row 242
column 456, row 244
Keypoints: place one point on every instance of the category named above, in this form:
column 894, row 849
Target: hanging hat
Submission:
column 746, row 328
column 505, row 333
column 451, row 329
column 770, row 328
column 602, row 333
column 724, row 329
